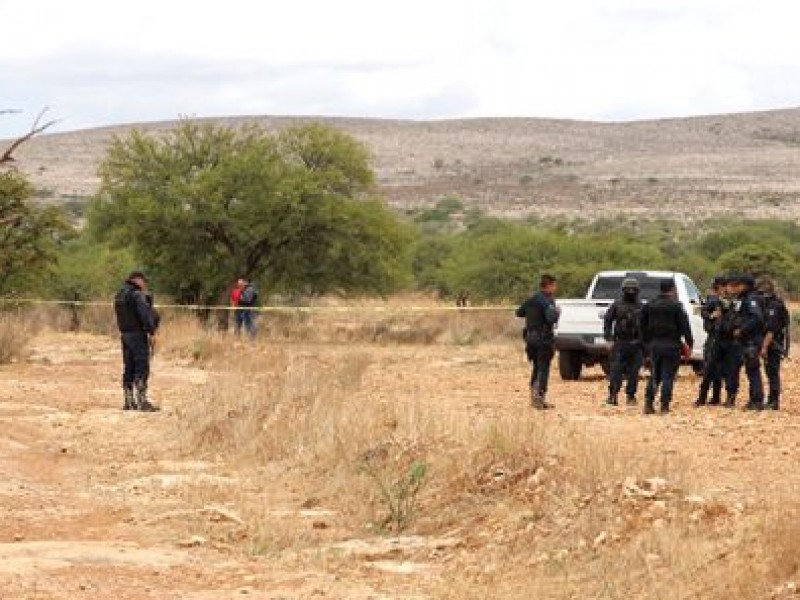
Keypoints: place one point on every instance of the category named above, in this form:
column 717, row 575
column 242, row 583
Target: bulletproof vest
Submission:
column 775, row 316
column 730, row 319
column 125, row 310
column 536, row 318
column 626, row 320
column 663, row 319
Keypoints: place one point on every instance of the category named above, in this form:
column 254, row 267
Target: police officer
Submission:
column 621, row 326
column 729, row 349
column 776, row 339
column 541, row 316
column 137, row 325
column 664, row 325
column 748, row 331
column 711, row 312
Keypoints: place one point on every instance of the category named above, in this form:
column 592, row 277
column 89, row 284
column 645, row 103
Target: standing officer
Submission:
column 664, row 326
column 776, row 339
column 729, row 349
column 748, row 331
column 541, row 316
column 621, row 326
column 136, row 321
column 711, row 313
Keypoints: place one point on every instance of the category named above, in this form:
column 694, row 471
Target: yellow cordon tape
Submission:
column 306, row 309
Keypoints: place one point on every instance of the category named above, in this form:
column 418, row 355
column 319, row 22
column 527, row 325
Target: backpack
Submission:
column 626, row 320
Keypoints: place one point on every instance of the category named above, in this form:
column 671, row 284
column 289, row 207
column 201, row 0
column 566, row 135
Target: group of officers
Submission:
column 747, row 326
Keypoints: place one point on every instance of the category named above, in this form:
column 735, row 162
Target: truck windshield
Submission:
column 609, row 288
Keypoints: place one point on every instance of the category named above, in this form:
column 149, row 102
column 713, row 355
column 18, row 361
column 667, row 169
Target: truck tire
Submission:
column 570, row 365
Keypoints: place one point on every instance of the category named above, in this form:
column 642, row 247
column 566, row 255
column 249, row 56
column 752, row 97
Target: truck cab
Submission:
column 579, row 336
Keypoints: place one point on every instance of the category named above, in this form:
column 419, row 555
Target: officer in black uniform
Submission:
column 621, row 326
column 541, row 316
column 137, row 325
column 777, row 341
column 664, row 325
column 748, row 331
column 729, row 349
column 711, row 312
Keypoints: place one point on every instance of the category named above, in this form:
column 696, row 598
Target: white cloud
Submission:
column 99, row 62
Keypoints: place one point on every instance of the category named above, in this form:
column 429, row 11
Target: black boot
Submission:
column 699, row 403
column 649, row 408
column 630, row 400
column 142, row 401
column 664, row 408
column 754, row 406
column 716, row 393
column 130, row 400
column 612, row 399
column 730, row 401
column 773, row 404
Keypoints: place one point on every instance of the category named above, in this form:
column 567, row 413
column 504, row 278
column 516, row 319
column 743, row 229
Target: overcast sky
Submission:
column 99, row 62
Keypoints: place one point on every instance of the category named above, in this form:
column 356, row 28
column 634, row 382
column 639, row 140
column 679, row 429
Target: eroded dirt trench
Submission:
column 99, row 503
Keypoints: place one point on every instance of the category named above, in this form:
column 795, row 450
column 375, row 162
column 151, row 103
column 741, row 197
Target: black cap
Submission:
column 137, row 275
column 667, row 285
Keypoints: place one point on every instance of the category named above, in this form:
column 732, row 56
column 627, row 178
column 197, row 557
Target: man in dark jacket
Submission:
column 541, row 316
column 621, row 326
column 247, row 301
column 776, row 339
column 711, row 313
column 137, row 325
column 664, row 325
column 748, row 330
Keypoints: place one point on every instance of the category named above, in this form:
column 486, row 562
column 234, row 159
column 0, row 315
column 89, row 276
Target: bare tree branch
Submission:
column 38, row 127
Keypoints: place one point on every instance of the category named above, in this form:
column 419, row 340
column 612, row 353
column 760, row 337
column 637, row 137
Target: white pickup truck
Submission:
column 579, row 336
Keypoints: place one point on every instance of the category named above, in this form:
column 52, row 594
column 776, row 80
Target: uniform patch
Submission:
column 753, row 303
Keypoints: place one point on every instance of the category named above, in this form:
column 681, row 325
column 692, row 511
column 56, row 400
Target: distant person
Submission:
column 777, row 340
column 621, row 326
column 137, row 323
column 541, row 316
column 462, row 299
column 247, row 300
column 664, row 325
column 711, row 313
column 729, row 348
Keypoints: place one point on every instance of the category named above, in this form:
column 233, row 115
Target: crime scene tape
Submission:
column 274, row 309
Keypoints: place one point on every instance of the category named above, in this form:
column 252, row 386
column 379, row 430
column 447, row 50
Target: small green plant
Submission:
column 398, row 493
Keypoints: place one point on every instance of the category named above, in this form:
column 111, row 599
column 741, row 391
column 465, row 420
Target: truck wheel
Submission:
column 698, row 368
column 606, row 367
column 570, row 365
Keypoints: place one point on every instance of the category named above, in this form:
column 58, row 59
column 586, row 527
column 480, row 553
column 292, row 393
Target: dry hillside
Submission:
column 676, row 168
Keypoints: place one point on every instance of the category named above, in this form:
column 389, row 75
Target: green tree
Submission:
column 29, row 235
column 757, row 260
column 203, row 204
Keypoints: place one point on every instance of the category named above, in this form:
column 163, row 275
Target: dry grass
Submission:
column 16, row 329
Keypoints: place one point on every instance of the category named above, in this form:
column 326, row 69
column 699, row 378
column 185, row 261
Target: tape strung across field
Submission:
column 267, row 309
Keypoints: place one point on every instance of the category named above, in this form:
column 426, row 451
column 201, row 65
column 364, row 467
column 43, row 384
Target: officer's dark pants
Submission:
column 772, row 366
column 245, row 318
column 666, row 360
column 752, row 367
column 712, row 373
column 136, row 360
column 540, row 354
column 626, row 359
column 730, row 353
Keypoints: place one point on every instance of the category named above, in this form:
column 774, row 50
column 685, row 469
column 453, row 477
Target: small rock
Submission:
column 319, row 525
column 652, row 558
column 18, row 537
column 601, row 539
column 193, row 542
column 245, row 590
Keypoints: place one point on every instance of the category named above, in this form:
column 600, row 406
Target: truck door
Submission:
column 695, row 319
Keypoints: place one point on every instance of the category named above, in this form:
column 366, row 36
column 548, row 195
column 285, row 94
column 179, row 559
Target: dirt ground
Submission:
column 99, row 503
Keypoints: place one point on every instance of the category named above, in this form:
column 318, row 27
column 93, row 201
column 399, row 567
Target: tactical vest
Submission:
column 626, row 320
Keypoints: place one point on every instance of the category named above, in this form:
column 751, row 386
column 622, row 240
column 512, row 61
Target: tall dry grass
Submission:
column 16, row 330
